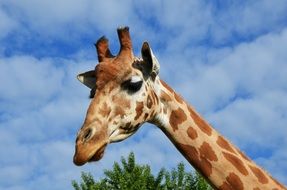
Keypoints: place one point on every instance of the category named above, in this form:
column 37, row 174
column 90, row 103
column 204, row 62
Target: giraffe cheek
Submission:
column 139, row 110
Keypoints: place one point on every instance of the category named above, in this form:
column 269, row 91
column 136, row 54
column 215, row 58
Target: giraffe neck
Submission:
column 220, row 162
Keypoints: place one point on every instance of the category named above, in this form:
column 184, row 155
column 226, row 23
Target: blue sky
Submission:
column 227, row 58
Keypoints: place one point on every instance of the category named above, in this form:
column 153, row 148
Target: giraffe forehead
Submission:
column 117, row 70
column 106, row 72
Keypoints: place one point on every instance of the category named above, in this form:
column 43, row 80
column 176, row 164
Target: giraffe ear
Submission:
column 151, row 64
column 88, row 78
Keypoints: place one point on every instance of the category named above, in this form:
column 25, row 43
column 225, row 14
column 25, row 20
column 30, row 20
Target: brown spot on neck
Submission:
column 191, row 154
column 191, row 132
column 236, row 162
column 177, row 117
column 206, row 152
column 225, row 186
column 224, row 144
column 177, row 97
column 232, row 182
column 259, row 174
column 202, row 125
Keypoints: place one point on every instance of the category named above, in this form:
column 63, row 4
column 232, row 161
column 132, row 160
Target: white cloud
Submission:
column 28, row 76
column 248, row 19
column 11, row 174
column 7, row 24
column 49, row 17
column 250, row 68
column 41, row 102
column 194, row 21
column 66, row 19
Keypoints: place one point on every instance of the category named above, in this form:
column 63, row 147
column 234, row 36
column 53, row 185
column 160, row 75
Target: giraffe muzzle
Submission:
column 90, row 144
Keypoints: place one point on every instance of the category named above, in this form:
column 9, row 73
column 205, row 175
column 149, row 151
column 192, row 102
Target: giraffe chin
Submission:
column 98, row 155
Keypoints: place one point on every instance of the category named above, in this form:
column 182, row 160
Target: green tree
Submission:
column 179, row 179
column 131, row 176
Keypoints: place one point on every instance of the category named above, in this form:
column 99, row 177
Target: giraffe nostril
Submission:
column 87, row 135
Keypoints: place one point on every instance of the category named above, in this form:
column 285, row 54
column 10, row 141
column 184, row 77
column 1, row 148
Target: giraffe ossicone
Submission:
column 126, row 92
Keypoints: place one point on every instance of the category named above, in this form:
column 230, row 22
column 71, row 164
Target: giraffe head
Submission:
column 123, row 97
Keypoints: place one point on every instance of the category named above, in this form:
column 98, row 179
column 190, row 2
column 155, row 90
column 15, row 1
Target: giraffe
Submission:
column 126, row 92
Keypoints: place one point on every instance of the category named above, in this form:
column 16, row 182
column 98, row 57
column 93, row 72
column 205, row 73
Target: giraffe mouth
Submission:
column 120, row 134
column 114, row 135
column 98, row 154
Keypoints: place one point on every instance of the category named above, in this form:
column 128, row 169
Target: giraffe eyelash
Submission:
column 132, row 85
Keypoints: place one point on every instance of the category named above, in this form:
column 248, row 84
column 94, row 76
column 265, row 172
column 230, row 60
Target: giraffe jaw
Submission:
column 95, row 154
column 119, row 134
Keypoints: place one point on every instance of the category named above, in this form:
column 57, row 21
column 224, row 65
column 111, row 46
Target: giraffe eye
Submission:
column 132, row 85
